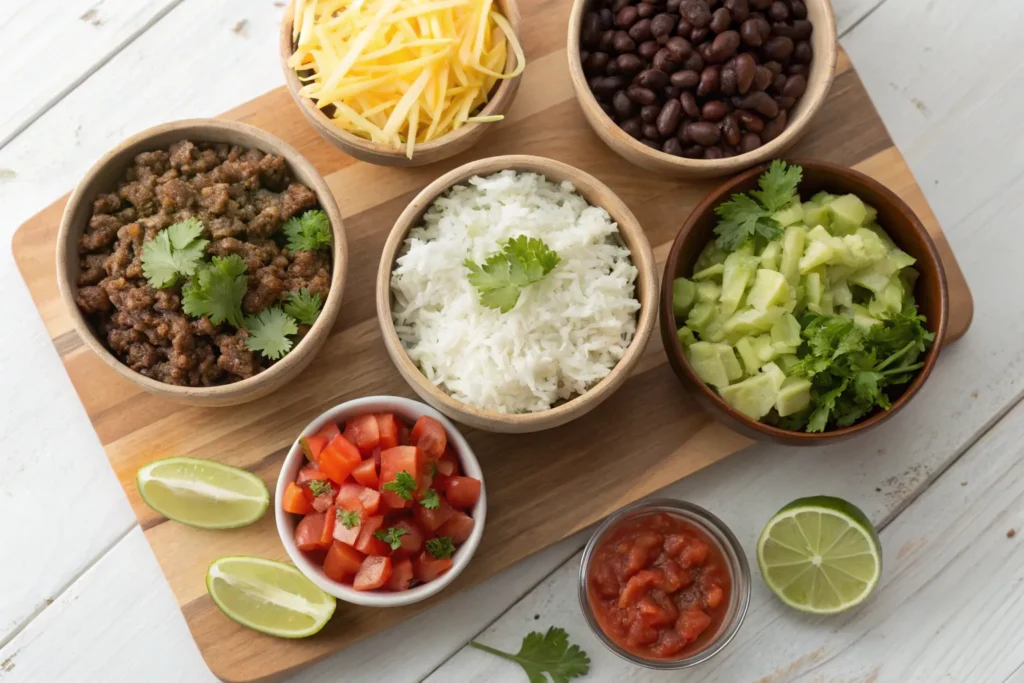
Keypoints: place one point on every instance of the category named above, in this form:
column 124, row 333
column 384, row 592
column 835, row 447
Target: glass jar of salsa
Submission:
column 664, row 584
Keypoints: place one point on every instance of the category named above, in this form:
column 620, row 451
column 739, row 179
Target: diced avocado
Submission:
column 709, row 256
column 713, row 331
column 862, row 317
column 838, row 248
column 700, row 315
column 826, row 300
column 848, row 213
column 752, row 321
column 823, row 198
column 753, row 397
column 792, row 250
column 786, row 330
column 793, row 396
column 812, row 288
column 769, row 289
column 763, row 346
column 686, row 336
column 739, row 271
column 780, row 349
column 733, row 369
column 770, row 255
column 787, row 362
column 841, row 295
column 684, row 293
column 871, row 214
column 901, row 259
column 817, row 254
column 882, row 235
column 908, row 276
column 816, row 214
column 863, row 248
column 745, row 347
column 875, row 277
column 794, row 213
column 707, row 363
column 775, row 372
column 710, row 273
column 708, row 291
column 889, row 300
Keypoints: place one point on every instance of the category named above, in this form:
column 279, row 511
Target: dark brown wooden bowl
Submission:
column 893, row 215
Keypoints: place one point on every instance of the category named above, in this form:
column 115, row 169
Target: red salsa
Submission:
column 659, row 586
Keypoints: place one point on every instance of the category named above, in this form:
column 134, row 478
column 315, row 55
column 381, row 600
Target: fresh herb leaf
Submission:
column 403, row 484
column 778, row 185
column 749, row 216
column 216, row 291
column 522, row 262
column 431, row 469
column 348, row 518
column 303, row 306
column 430, row 500
column 173, row 253
column 441, row 547
column 391, row 536
column 308, row 232
column 548, row 653
column 268, row 332
column 320, row 487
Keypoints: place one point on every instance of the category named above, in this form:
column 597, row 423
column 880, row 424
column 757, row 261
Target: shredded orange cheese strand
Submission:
column 402, row 72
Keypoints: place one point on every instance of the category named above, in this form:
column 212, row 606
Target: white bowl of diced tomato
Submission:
column 381, row 502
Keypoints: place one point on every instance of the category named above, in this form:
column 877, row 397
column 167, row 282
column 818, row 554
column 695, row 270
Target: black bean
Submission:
column 713, row 153
column 590, row 33
column 668, row 119
column 699, row 35
column 694, row 63
column 607, row 40
column 703, row 132
column 662, row 25
column 803, row 53
column 798, row 8
column 609, row 85
column 798, row 70
column 728, row 81
column 774, row 67
column 641, row 30
column 785, row 102
column 679, row 47
column 802, row 29
column 672, row 146
column 731, row 129
column 684, row 28
column 646, row 11
column 626, row 17
column 725, row 46
column 651, row 143
column 761, row 5
column 749, row 142
column 633, row 128
column 714, row 110
column 760, row 102
column 746, row 69
column 648, row 49
column 673, row 6
column 739, row 9
column 709, row 81
column 613, row 68
column 693, row 152
column 607, row 19
column 689, row 103
column 750, row 122
column 762, row 78
column 642, row 95
column 664, row 61
column 720, row 20
column 622, row 105
column 774, row 128
column 695, row 12
column 653, row 79
column 595, row 63
column 685, row 79
column 629, row 64
column 779, row 82
column 779, row 48
column 794, row 87
column 671, row 92
column 778, row 11
column 781, row 28
column 750, row 34
column 650, row 131
column 619, row 4
column 649, row 113
column 622, row 42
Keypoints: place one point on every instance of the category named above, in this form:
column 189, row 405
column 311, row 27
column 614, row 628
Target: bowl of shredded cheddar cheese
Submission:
column 402, row 83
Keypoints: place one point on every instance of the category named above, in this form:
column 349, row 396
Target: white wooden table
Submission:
column 82, row 598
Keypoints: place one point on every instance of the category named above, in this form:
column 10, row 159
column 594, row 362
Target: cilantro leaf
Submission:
column 268, row 332
column 173, row 252
column 403, row 485
column 778, row 185
column 548, row 653
column 320, row 487
column 748, row 216
column 522, row 262
column 392, row 536
column 308, row 232
column 441, row 547
column 348, row 518
column 303, row 306
column 430, row 500
column 216, row 291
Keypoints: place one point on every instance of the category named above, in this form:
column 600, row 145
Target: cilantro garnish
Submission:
column 268, row 332
column 308, row 232
column 746, row 216
column 173, row 253
column 320, row 487
column 391, row 536
column 216, row 291
column 348, row 518
column 441, row 547
column 430, row 500
column 403, row 485
column 303, row 306
column 548, row 653
column 522, row 262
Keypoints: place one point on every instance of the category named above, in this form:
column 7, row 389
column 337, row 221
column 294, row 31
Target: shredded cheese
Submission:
column 402, row 72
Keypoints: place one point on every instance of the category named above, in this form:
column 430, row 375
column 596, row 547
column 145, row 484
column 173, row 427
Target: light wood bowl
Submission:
column 823, row 67
column 103, row 177
column 595, row 192
column 444, row 147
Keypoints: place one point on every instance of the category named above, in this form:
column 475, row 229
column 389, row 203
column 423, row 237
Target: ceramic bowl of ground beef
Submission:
column 203, row 260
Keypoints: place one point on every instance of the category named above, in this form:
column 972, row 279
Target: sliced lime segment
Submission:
column 820, row 555
column 267, row 596
column 203, row 493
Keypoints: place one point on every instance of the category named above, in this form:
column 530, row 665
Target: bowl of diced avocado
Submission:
column 803, row 302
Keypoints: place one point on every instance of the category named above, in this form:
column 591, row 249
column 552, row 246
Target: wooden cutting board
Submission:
column 541, row 487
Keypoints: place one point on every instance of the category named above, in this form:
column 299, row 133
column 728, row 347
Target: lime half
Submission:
column 203, row 493
column 267, row 596
column 820, row 555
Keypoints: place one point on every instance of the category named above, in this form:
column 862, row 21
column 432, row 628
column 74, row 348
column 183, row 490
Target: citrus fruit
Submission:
column 203, row 493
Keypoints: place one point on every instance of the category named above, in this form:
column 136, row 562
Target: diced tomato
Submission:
column 429, row 436
column 694, row 554
column 375, row 456
column 308, row 473
column 403, row 435
column 309, row 531
column 345, row 534
column 713, row 596
column 425, row 482
column 441, row 482
column 362, row 431
column 374, row 573
column 401, row 575
column 322, row 501
column 366, row 474
column 342, row 561
column 367, row 543
column 426, row 567
column 448, row 464
column 312, row 446
column 412, row 539
column 459, row 526
column 463, row 492
column 692, row 623
column 294, row 500
column 339, row 459
column 639, row 585
column 432, row 520
column 368, row 499
column 395, row 460
column 328, row 431
column 327, row 535
column 387, row 429
column 643, row 551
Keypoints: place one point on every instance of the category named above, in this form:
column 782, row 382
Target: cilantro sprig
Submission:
column 173, row 253
column 269, row 332
column 303, row 306
column 392, row 536
column 548, row 653
column 402, row 485
column 441, row 547
column 348, row 518
column 309, row 232
column 747, row 216
column 320, row 487
column 217, row 290
column 431, row 500
column 522, row 262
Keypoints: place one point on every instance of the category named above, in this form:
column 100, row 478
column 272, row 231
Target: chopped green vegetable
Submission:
column 746, row 216
column 320, row 487
column 403, row 485
column 173, row 253
column 522, row 262
column 348, row 518
column 303, row 306
column 548, row 653
column 392, row 536
column 216, row 290
column 441, row 547
column 431, row 501
column 308, row 232
column 269, row 332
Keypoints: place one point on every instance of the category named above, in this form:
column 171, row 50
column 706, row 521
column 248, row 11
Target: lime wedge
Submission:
column 203, row 493
column 267, row 596
column 820, row 555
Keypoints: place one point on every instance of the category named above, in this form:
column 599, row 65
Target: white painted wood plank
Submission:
column 47, row 47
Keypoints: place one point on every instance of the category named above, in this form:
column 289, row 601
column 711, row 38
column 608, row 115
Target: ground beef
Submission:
column 243, row 197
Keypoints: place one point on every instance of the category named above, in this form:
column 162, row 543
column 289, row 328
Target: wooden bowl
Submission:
column 893, row 215
column 597, row 194
column 823, row 67
column 449, row 145
column 103, row 177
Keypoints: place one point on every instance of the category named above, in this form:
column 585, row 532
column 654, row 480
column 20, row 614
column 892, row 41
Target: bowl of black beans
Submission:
column 701, row 88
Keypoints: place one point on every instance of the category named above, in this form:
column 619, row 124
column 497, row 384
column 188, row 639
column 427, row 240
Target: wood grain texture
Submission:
column 677, row 438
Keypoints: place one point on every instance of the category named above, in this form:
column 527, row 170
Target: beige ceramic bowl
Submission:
column 444, row 147
column 823, row 66
column 103, row 177
column 594, row 192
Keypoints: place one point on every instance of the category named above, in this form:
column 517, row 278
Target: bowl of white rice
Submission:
column 516, row 293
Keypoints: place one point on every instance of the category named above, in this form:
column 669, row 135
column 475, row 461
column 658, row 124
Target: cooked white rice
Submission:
column 565, row 333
